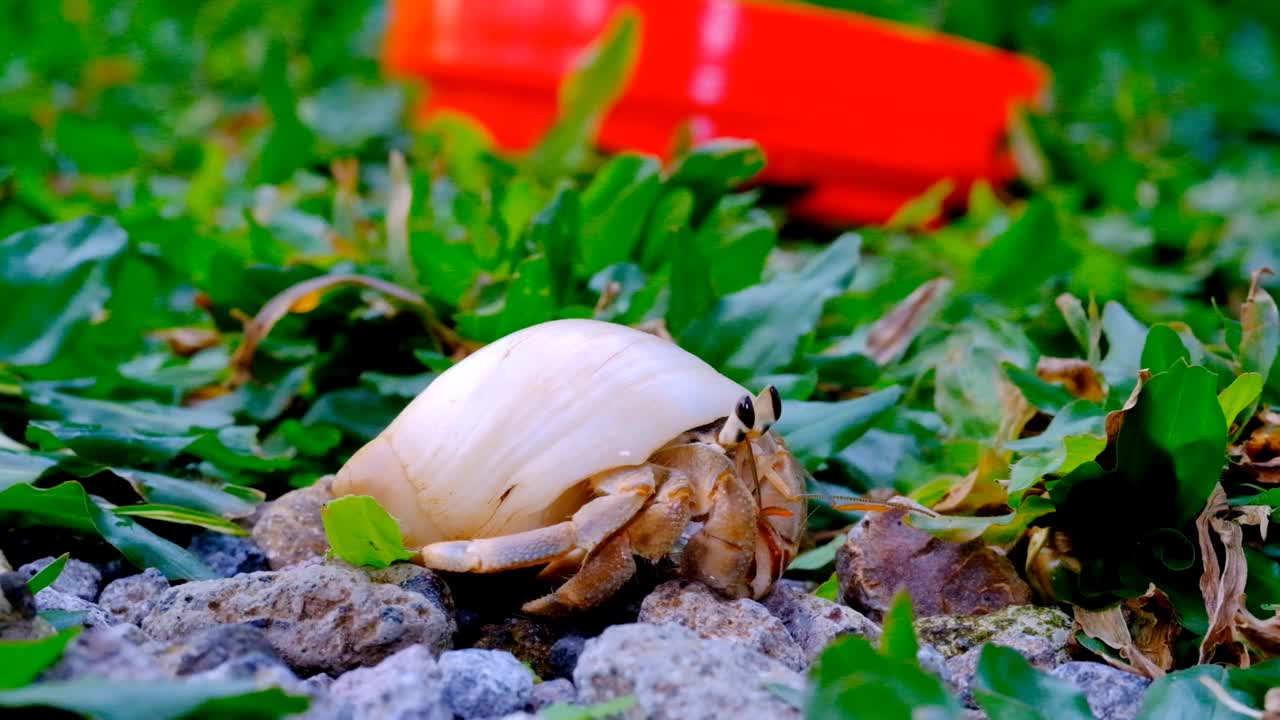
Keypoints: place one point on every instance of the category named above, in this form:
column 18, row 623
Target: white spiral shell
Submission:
column 501, row 442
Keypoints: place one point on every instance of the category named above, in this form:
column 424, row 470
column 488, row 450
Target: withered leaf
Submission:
column 890, row 336
column 1077, row 375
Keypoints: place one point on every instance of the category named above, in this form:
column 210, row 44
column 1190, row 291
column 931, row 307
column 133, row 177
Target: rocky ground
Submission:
column 401, row 643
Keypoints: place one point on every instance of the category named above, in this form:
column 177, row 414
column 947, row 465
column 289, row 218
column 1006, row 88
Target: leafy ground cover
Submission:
column 229, row 258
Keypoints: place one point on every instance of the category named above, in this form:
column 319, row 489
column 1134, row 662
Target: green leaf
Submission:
column 1043, row 395
column 289, row 143
column 1126, row 338
column 817, row 431
column 1182, row 695
column 22, row 467
column 718, row 165
column 158, row 699
column 1259, row 333
column 899, row 639
column 554, row 230
column 758, row 330
column 851, row 680
column 48, row 575
column 1019, row 263
column 819, row 557
column 182, row 516
column 55, row 279
column 829, row 589
column 1242, row 393
column 96, row 146
column 621, row 192
column 1009, row 688
column 68, row 506
column 1163, row 348
column 21, row 661
column 361, row 532
column 588, row 92
column 599, row 711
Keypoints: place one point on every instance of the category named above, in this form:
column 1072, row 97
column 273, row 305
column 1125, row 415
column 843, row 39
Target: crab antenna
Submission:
column 768, row 409
column 739, row 422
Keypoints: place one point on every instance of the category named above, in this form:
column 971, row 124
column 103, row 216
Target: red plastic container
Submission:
column 864, row 113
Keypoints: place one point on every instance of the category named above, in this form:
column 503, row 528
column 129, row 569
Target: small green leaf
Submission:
column 68, row 506
column 621, row 191
column 48, row 575
column 1043, row 395
column 718, row 165
column 1018, row 264
column 829, row 589
column 21, row 661
column 587, row 93
column 54, row 279
column 1163, row 348
column 1243, row 392
column 817, row 431
column 899, row 639
column 182, row 516
column 361, row 532
column 1009, row 688
column 819, row 557
column 599, row 711
column 158, row 699
column 758, row 330
column 1259, row 332
column 18, row 467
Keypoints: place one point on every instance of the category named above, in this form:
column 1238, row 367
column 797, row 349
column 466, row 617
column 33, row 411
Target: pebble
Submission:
column 51, row 600
column 1113, row 694
column 882, row 555
column 529, row 640
column 319, row 617
column 4, row 563
column 1039, row 634
column 418, row 579
column 697, row 607
column 209, row 647
column 551, row 692
column 407, row 685
column 228, row 555
column 130, row 598
column 814, row 622
column 110, row 653
column 290, row 530
column 563, row 656
column 77, row 577
column 484, row 683
column 18, row 619
column 674, row 674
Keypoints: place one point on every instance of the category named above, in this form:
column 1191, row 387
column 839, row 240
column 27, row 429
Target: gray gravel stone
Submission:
column 50, row 600
column 290, row 530
column 18, row 619
column 1113, row 694
column 814, row 622
column 318, row 617
column 228, row 555
column 207, row 648
column 110, row 653
column 4, row 563
column 564, row 653
column 675, row 674
column 484, row 683
column 405, row 686
column 551, row 692
column 77, row 578
column 129, row 599
column 1039, row 634
column 700, row 609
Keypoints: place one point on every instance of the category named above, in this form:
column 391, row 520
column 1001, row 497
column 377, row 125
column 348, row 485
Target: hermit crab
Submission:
column 579, row 445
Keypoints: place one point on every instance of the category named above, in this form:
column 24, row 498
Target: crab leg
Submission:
column 621, row 494
column 602, row 575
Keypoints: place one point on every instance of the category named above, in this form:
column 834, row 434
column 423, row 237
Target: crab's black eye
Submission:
column 745, row 411
column 776, row 400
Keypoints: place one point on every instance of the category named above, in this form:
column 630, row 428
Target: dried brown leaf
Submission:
column 1115, row 418
column 889, row 338
column 980, row 493
column 1110, row 627
column 187, row 341
column 1153, row 622
column 1077, row 375
column 1221, row 584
